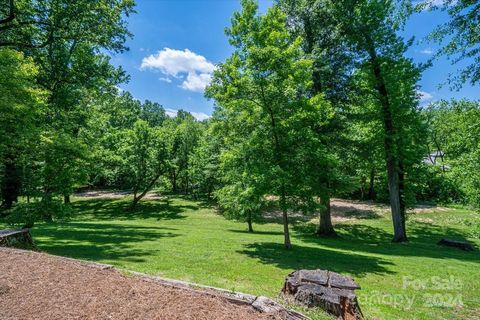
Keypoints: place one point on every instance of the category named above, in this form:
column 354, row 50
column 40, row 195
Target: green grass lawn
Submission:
column 188, row 240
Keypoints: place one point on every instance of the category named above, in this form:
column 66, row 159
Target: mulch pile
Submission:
column 41, row 286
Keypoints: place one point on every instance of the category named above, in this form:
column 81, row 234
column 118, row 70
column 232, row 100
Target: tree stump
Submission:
column 16, row 238
column 328, row 290
column 465, row 246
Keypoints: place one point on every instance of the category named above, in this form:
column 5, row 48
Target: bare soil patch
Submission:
column 345, row 210
column 353, row 209
column 102, row 194
column 342, row 210
column 40, row 286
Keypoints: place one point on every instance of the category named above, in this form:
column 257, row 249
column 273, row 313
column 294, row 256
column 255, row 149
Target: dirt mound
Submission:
column 40, row 286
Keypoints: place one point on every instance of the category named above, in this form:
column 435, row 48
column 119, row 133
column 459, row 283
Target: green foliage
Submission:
column 144, row 155
column 65, row 163
column 204, row 164
column 25, row 215
column 454, row 130
column 73, row 71
column 21, row 105
column 433, row 184
column 183, row 136
column 100, row 23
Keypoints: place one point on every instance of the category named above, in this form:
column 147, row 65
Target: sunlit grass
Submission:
column 188, row 240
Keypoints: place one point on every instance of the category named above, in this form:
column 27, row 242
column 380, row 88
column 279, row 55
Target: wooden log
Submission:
column 16, row 238
column 465, row 246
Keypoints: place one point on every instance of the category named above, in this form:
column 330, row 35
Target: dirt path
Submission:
column 353, row 209
column 101, row 194
column 41, row 286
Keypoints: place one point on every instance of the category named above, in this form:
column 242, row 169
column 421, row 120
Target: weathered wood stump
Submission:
column 328, row 290
column 465, row 246
column 16, row 238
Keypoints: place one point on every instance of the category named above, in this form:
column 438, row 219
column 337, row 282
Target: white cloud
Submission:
column 200, row 116
column 196, row 82
column 424, row 96
column 172, row 113
column 177, row 63
column 427, row 51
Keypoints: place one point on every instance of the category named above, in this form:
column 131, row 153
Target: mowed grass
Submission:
column 189, row 240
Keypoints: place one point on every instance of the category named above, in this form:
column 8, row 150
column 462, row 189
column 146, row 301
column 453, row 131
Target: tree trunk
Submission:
column 371, row 189
column 11, row 182
column 47, row 198
column 399, row 234
column 249, row 221
column 278, row 160
column 148, row 188
column 66, row 199
column 325, row 227
column 401, row 187
column 363, row 181
column 134, row 203
column 174, row 181
column 286, row 232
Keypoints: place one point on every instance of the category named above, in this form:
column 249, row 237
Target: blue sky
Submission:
column 177, row 42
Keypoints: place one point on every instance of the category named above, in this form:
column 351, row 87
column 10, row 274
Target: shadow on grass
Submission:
column 201, row 200
column 98, row 241
column 304, row 257
column 358, row 237
column 108, row 209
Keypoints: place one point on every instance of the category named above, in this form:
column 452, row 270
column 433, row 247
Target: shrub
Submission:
column 26, row 214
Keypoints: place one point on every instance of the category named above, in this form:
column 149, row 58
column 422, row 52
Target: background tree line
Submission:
column 317, row 100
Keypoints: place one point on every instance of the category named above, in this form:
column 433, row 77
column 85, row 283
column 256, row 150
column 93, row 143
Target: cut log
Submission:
column 330, row 291
column 465, row 246
column 16, row 238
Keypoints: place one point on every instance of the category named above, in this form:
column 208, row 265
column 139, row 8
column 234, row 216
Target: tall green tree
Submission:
column 242, row 196
column 261, row 94
column 204, row 163
column 145, row 157
column 370, row 28
column 184, row 134
column 324, row 44
column 22, row 103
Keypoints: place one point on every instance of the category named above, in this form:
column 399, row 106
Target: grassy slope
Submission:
column 188, row 240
